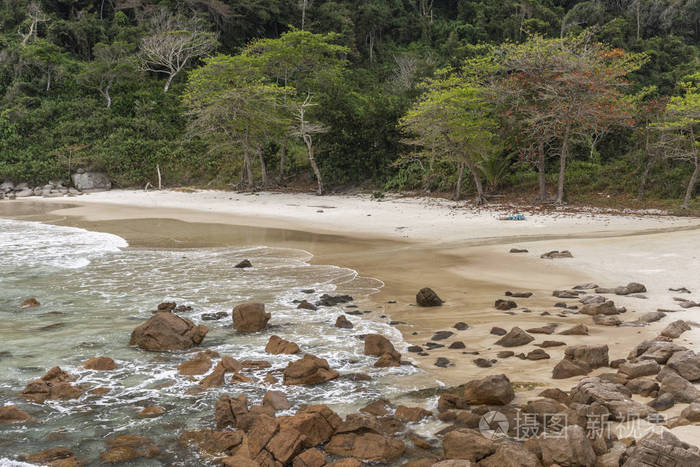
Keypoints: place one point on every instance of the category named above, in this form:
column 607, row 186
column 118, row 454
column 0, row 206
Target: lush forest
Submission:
column 552, row 100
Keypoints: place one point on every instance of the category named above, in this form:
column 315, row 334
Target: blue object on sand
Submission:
column 515, row 217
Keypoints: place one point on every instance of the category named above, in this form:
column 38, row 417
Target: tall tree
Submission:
column 113, row 62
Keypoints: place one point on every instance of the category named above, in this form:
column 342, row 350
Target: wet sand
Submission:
column 466, row 262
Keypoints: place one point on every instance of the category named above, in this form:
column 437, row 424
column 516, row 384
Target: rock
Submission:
column 537, row 354
column 548, row 329
column 250, row 317
column 657, row 350
column 565, row 294
column 277, row 400
column 692, row 412
column 492, row 390
column 578, row 330
column 457, row 345
column 442, row 362
column 151, row 412
column 11, row 414
column 505, row 304
column 516, row 337
column 377, row 345
column 277, row 346
column 639, row 369
column 22, row 193
column 461, row 326
column 238, row 461
column 483, row 363
column 467, row 444
column 642, row 386
column 54, row 457
column 388, row 359
column 505, row 354
column 557, row 254
column 572, row 448
column 126, row 448
column 680, row 388
column 100, row 364
column 588, row 356
column 213, row 442
column 510, row 455
column 415, row 349
column 214, row 379
column 166, row 331
column 687, row 364
column 343, row 323
column 230, row 411
column 54, row 385
column 411, row 414
column 547, row 344
column 605, row 308
column 442, row 335
column 244, row 264
column 662, row 449
column 370, row 447
column 675, row 329
column 91, row 181
column 651, row 317
column 30, row 303
column 310, row 458
column 616, row 398
column 213, row 316
column 498, row 331
column 199, row 365
column 631, row 288
column 427, row 297
column 567, row 368
column 328, row 300
column 518, row 294
column 518, row 250
column 378, row 408
column 304, row 305
column 663, row 402
column 309, row 370
column 603, row 320
column 317, row 422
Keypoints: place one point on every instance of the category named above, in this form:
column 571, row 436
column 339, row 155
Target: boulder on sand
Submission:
column 377, row 345
column 492, row 390
column 566, row 369
column 467, row 444
column 605, row 308
column 250, row 317
column 578, row 330
column 427, row 297
column 308, row 370
column 514, row 338
column 167, row 331
column 589, row 355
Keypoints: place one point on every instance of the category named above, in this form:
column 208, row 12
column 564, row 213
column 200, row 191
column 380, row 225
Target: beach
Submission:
column 461, row 252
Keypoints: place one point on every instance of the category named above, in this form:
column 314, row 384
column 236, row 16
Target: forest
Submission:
column 551, row 101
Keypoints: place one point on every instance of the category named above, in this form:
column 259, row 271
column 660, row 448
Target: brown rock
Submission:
column 199, row 365
column 492, row 390
column 537, row 354
column 427, row 297
column 514, row 338
column 11, row 414
column 318, row 423
column 347, row 462
column 214, row 379
column 388, row 360
column 343, row 323
column 52, row 457
column 213, row 442
column 30, row 303
column 53, row 385
column 578, row 330
column 230, row 411
column 548, row 344
column 310, row 458
column 309, row 370
column 567, row 368
column 638, row 369
column 305, row 305
column 588, row 356
column 238, row 461
column 675, row 329
column 379, row 408
column 276, row 346
column 231, row 365
column 511, row 455
column 151, row 412
column 125, row 448
column 605, row 308
column 467, row 444
column 573, row 448
column 604, row 320
column 285, row 444
column 411, row 414
column 277, row 400
column 555, row 394
column 250, row 317
column 100, row 363
column 370, row 447
column 378, row 345
column 167, row 331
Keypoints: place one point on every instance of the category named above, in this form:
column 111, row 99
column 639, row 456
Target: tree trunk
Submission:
column 283, row 157
column 167, row 83
column 108, row 98
column 263, row 168
column 246, row 160
column 309, row 146
column 643, row 180
column 48, row 81
column 541, row 176
column 480, row 198
column 458, row 188
column 693, row 178
column 562, row 164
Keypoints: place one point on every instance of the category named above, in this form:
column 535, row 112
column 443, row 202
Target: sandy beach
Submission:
column 460, row 252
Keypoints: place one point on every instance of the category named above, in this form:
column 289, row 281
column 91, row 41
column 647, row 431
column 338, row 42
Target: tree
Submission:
column 571, row 89
column 35, row 15
column 306, row 129
column 176, row 40
column 453, row 121
column 682, row 130
column 112, row 63
column 233, row 106
column 44, row 56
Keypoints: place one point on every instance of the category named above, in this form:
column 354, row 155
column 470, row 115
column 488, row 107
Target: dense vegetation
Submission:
column 381, row 94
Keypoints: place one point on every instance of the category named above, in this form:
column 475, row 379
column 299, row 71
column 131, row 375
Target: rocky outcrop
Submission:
column 578, row 330
column 91, row 181
column 590, row 356
column 11, row 414
column 277, row 400
column 687, row 364
column 467, row 444
column 309, row 370
column 167, row 331
column 100, row 364
column 492, row 390
column 426, row 297
column 250, row 317
column 616, row 398
column 605, row 308
column 127, row 448
column 680, row 388
column 675, row 329
column 514, row 338
column 213, row 442
column 343, row 323
column 54, row 385
column 231, row 411
column 572, row 448
column 276, row 346
column 663, row 449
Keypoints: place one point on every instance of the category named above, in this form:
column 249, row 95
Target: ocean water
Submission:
column 94, row 289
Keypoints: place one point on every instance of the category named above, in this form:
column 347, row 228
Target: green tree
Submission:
column 113, row 62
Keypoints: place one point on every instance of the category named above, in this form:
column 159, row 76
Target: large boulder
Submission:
column 567, row 369
column 662, row 449
column 492, row 390
column 378, row 345
column 276, row 346
column 511, row 455
column 370, row 447
column 467, row 444
column 127, row 448
column 91, row 181
column 427, row 297
column 639, row 369
column 250, row 317
column 213, row 442
column 658, row 350
column 11, row 414
column 675, row 329
column 308, row 370
column 687, row 364
column 317, row 422
column 631, row 288
column 588, row 355
column 167, row 331
column 100, row 364
column 680, row 388
column 616, row 398
column 605, row 308
column 514, row 338
column 571, row 448
column 54, row 385
column 578, row 330
column 231, row 411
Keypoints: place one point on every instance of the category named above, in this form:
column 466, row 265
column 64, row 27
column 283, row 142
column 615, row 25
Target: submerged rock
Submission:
column 329, row 300
column 30, row 303
column 126, row 448
column 167, row 331
column 100, row 364
column 11, row 414
column 54, row 385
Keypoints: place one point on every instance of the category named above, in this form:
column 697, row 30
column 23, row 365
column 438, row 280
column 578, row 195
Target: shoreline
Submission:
column 468, row 265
